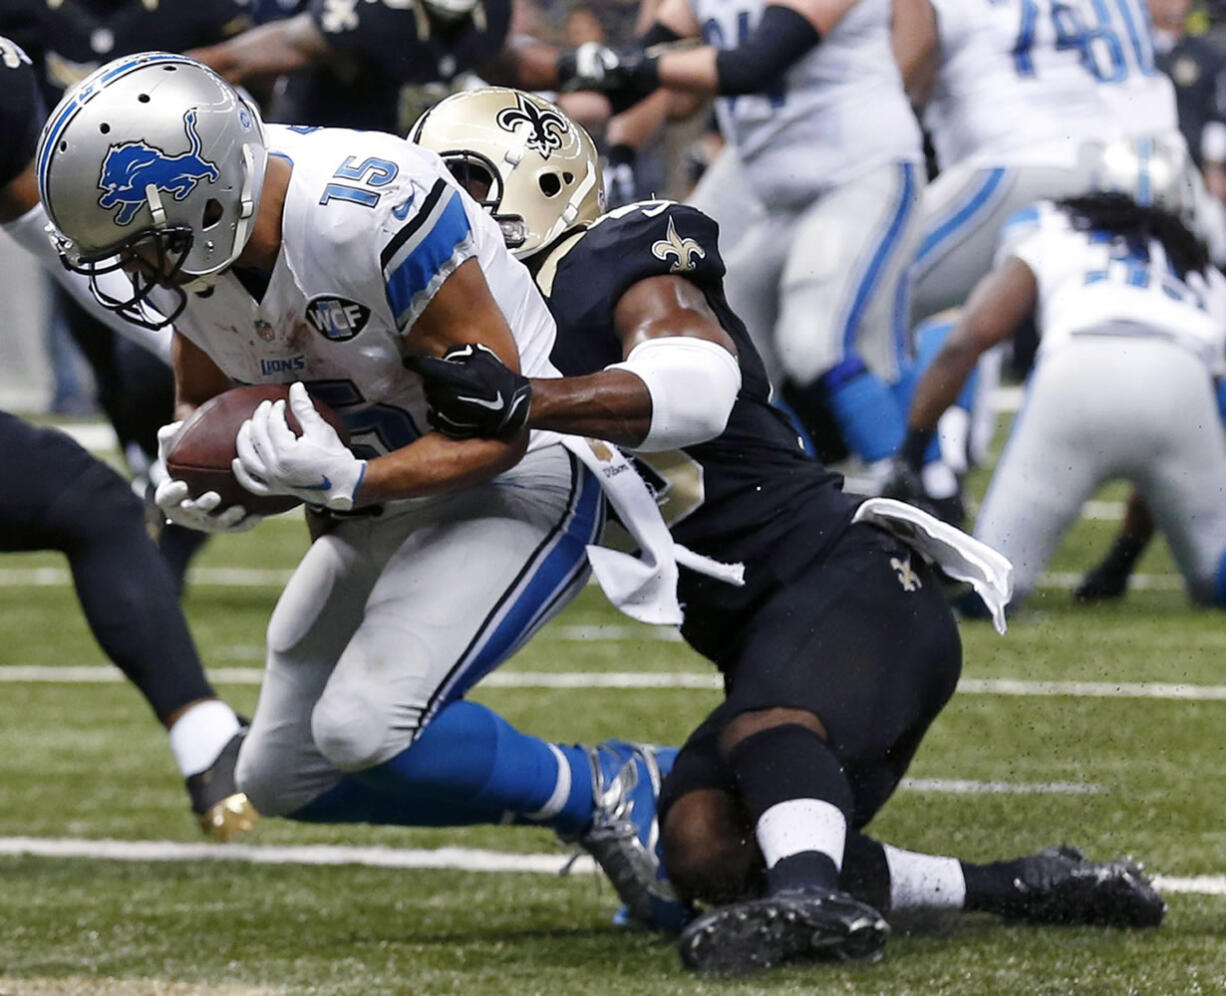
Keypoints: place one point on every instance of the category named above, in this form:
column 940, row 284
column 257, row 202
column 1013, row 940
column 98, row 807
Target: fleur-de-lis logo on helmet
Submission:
column 549, row 128
column 674, row 245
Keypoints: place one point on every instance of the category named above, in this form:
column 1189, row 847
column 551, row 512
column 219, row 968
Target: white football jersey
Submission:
column 1014, row 86
column 373, row 225
column 1089, row 281
column 838, row 113
column 1120, row 45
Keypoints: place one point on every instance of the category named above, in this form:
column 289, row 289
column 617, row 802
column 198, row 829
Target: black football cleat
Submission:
column 1060, row 886
column 1104, row 583
column 222, row 810
column 786, row 927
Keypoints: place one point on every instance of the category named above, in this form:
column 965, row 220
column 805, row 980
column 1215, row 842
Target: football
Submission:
column 202, row 452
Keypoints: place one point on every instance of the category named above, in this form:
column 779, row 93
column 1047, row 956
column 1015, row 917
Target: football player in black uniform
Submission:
column 839, row 649
column 55, row 496
column 67, row 40
column 346, row 62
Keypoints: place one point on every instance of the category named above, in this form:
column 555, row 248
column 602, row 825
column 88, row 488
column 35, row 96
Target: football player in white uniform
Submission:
column 810, row 97
column 1133, row 318
column 328, row 258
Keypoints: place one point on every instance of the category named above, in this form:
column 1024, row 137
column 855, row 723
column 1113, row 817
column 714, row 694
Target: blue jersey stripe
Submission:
column 886, row 248
column 960, row 217
column 429, row 257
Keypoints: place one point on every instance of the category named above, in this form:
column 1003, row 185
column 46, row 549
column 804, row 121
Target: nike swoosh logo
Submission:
column 491, row 405
column 324, row 485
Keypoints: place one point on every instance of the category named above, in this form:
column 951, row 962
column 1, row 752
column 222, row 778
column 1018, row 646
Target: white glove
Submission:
column 197, row 513
column 166, row 436
column 316, row 466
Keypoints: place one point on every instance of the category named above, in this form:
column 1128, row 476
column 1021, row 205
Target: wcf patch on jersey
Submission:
column 337, row 318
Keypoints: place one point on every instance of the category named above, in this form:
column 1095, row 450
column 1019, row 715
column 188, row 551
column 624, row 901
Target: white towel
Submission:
column 962, row 557
column 644, row 587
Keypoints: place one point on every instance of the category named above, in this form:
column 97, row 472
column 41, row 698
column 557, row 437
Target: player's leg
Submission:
column 1183, row 483
column 841, row 672
column 842, row 320
column 1108, row 579
column 1065, row 440
column 55, row 496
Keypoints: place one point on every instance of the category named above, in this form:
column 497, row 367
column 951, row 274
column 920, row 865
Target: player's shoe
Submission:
column 624, row 837
column 222, row 810
column 1107, row 581
column 1060, row 886
column 788, row 926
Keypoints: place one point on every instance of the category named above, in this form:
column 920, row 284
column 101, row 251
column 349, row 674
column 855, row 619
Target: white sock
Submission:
column 924, row 881
column 561, row 791
column 800, row 825
column 199, row 735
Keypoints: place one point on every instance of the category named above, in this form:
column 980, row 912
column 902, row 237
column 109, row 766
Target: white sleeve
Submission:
column 29, row 232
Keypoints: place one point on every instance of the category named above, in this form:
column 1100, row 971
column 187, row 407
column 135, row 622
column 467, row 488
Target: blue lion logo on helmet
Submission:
column 129, row 168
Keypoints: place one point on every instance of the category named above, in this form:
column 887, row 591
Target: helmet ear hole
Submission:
column 212, row 213
column 568, row 177
column 550, row 185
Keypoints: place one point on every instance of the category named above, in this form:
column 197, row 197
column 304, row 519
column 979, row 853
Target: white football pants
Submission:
column 387, row 619
column 1103, row 407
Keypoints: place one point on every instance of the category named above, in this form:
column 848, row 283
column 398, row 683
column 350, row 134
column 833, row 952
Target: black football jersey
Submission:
column 750, row 495
column 69, row 39
column 21, row 111
column 380, row 47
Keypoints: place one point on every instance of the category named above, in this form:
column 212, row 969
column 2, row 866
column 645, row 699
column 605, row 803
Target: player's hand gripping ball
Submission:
column 202, row 453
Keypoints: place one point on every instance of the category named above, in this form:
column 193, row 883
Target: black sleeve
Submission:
column 375, row 36
column 649, row 239
column 21, row 111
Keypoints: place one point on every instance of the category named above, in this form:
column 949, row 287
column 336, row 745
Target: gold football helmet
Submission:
column 522, row 158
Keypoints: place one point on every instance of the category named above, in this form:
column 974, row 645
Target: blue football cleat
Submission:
column 624, row 837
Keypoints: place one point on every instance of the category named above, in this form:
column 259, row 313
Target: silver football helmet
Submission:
column 1153, row 172
column 522, row 158
column 153, row 158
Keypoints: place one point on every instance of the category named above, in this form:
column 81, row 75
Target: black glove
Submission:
column 624, row 75
column 472, row 394
column 620, row 185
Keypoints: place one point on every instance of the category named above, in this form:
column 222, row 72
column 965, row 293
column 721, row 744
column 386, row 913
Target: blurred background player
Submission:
column 1010, row 101
column 810, row 97
column 55, row 496
column 349, row 64
column 68, row 40
column 1132, row 319
column 837, row 652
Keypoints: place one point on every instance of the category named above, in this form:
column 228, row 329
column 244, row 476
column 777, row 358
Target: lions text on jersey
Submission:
column 372, row 227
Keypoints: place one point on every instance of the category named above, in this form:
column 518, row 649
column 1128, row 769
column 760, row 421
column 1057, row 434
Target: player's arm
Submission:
column 787, row 30
column 675, row 387
column 913, row 29
column 197, row 377
column 462, row 313
column 268, row 50
column 1001, row 300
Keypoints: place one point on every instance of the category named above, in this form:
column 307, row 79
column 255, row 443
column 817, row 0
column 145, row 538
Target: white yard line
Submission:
column 451, row 858
column 102, row 674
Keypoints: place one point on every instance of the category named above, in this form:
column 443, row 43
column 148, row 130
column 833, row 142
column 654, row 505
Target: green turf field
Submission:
column 84, row 761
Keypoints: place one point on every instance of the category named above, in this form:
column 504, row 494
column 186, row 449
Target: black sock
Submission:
column 992, row 888
column 866, row 873
column 790, row 773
